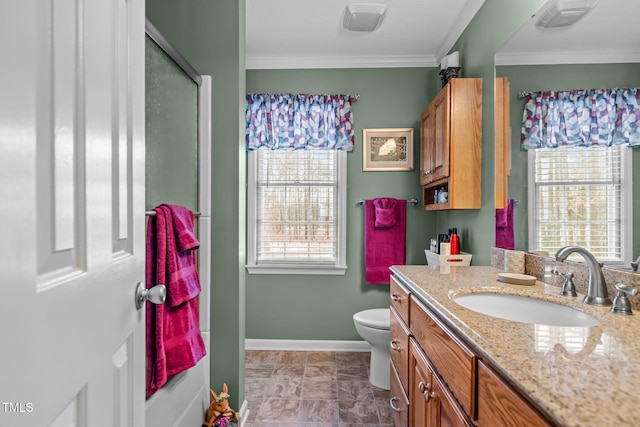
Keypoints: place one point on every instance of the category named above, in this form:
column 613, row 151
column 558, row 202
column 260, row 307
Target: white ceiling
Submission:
column 609, row 33
column 418, row 33
column 309, row 33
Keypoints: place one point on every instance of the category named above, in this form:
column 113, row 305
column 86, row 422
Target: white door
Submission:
column 71, row 212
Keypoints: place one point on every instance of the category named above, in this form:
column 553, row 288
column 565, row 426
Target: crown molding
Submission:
column 541, row 58
column 315, row 62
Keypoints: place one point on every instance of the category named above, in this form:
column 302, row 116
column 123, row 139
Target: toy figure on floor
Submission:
column 219, row 413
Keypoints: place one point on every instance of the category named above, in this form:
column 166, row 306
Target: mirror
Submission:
column 591, row 53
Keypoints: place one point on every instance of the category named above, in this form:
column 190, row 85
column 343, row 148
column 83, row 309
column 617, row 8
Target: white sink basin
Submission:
column 526, row 310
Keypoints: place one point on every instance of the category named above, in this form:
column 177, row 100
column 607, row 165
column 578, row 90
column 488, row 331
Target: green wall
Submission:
column 321, row 307
column 210, row 35
column 560, row 77
column 307, row 307
column 493, row 25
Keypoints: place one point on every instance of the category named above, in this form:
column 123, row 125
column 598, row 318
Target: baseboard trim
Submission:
column 243, row 414
column 306, row 345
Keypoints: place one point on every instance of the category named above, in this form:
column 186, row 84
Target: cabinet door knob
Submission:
column 424, row 388
column 394, row 345
column 395, row 297
column 427, row 172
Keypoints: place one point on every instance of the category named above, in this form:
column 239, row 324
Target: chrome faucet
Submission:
column 634, row 265
column 597, row 289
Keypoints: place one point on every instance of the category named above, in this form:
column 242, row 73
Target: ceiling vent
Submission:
column 363, row 16
column 565, row 13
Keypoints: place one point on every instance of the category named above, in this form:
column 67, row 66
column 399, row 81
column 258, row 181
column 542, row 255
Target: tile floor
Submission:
column 313, row 389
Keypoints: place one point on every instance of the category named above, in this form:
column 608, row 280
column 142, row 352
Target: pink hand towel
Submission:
column 505, row 238
column 174, row 342
column 184, row 283
column 384, row 246
column 385, row 212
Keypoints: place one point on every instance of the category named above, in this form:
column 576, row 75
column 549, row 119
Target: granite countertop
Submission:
column 579, row 376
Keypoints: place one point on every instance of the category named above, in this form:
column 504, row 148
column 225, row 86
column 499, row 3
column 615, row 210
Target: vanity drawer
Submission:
column 399, row 401
column 500, row 405
column 399, row 299
column 452, row 359
column 400, row 348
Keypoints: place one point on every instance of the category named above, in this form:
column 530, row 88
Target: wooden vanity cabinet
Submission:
column 500, row 405
column 451, row 145
column 438, row 380
column 431, row 403
column 399, row 299
column 399, row 345
column 455, row 363
column 420, row 392
column 399, row 401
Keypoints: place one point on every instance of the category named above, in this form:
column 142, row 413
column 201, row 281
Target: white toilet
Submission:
column 373, row 326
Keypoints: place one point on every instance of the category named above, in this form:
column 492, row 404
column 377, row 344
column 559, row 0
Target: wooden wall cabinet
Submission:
column 503, row 142
column 437, row 380
column 451, row 146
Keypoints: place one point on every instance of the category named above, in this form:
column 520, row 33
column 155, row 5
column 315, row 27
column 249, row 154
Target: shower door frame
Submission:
column 184, row 398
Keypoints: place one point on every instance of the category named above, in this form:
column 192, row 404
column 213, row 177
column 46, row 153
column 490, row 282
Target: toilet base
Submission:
column 380, row 368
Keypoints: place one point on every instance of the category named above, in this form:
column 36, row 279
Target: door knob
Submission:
column 156, row 295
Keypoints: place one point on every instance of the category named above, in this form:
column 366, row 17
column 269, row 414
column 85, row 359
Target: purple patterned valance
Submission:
column 603, row 117
column 289, row 121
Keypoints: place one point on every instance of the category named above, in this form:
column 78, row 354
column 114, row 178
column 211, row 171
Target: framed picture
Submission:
column 387, row 149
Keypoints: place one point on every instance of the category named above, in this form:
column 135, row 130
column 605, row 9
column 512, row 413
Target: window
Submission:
column 581, row 196
column 296, row 211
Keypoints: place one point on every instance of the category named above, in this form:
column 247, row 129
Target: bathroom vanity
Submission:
column 454, row 366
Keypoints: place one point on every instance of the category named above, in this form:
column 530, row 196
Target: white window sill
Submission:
column 302, row 269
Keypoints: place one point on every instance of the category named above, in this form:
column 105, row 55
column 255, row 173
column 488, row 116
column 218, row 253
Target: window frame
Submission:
column 339, row 267
column 626, row 207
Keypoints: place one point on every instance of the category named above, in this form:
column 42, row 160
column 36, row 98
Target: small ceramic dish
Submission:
column 517, row 279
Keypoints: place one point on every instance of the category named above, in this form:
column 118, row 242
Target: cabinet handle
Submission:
column 432, row 395
column 395, row 297
column 394, row 407
column 424, row 389
column 394, row 346
column 427, row 172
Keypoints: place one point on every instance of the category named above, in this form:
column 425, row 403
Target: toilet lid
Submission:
column 377, row 318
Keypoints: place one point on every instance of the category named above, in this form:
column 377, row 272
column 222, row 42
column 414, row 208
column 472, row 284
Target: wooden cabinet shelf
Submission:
column 451, row 146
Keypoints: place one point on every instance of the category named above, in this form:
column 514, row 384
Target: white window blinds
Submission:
column 579, row 200
column 296, row 210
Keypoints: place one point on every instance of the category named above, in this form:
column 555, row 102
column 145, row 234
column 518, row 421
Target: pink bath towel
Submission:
column 505, row 238
column 384, row 238
column 174, row 342
column 184, row 283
